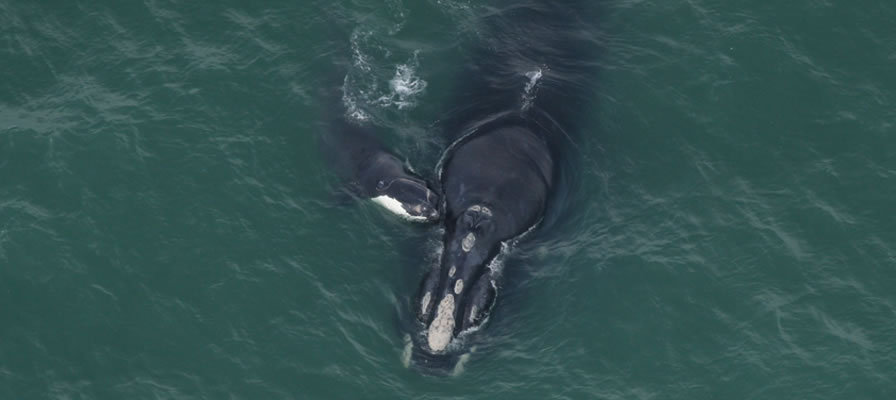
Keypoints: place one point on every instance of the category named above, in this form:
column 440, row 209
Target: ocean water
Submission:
column 170, row 230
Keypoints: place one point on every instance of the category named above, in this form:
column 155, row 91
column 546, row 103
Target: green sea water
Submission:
column 169, row 230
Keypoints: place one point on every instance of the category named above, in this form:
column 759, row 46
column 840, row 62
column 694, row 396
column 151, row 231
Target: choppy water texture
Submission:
column 168, row 229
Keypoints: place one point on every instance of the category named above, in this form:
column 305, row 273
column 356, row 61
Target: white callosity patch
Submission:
column 396, row 208
column 452, row 271
column 424, row 304
column 481, row 209
column 473, row 311
column 442, row 327
column 468, row 242
column 458, row 286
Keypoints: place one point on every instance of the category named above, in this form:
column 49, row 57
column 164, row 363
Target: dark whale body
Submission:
column 374, row 172
column 496, row 185
column 510, row 129
column 512, row 134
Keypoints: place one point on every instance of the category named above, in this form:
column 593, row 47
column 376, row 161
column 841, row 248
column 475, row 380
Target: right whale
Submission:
column 376, row 173
column 495, row 186
column 510, row 149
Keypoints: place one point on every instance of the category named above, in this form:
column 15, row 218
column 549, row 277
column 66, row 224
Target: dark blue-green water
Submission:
column 168, row 228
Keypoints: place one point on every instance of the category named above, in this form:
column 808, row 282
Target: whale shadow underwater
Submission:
column 509, row 168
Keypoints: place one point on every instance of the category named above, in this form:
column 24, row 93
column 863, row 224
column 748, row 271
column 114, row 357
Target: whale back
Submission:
column 509, row 169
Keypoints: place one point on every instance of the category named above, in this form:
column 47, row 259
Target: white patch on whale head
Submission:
column 481, row 209
column 396, row 208
column 468, row 242
column 452, row 271
column 458, row 286
column 424, row 304
column 442, row 327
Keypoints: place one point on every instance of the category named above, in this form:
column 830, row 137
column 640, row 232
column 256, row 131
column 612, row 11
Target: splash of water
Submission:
column 365, row 87
column 405, row 86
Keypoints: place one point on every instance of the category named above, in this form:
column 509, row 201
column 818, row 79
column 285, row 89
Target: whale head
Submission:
column 388, row 183
column 457, row 295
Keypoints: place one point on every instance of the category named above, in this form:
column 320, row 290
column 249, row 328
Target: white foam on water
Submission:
column 533, row 76
column 531, row 88
column 398, row 12
column 352, row 89
column 352, row 110
column 367, row 84
column 405, row 85
column 468, row 242
column 359, row 59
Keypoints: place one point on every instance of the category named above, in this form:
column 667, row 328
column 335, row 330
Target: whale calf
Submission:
column 373, row 172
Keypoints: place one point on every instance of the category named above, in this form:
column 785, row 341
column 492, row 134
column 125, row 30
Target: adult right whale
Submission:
column 512, row 131
column 496, row 185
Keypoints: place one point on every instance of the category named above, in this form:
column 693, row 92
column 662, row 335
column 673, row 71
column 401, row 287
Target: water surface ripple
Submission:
column 168, row 229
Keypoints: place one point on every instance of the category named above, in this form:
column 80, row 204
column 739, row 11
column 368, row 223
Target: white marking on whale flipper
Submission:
column 396, row 208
